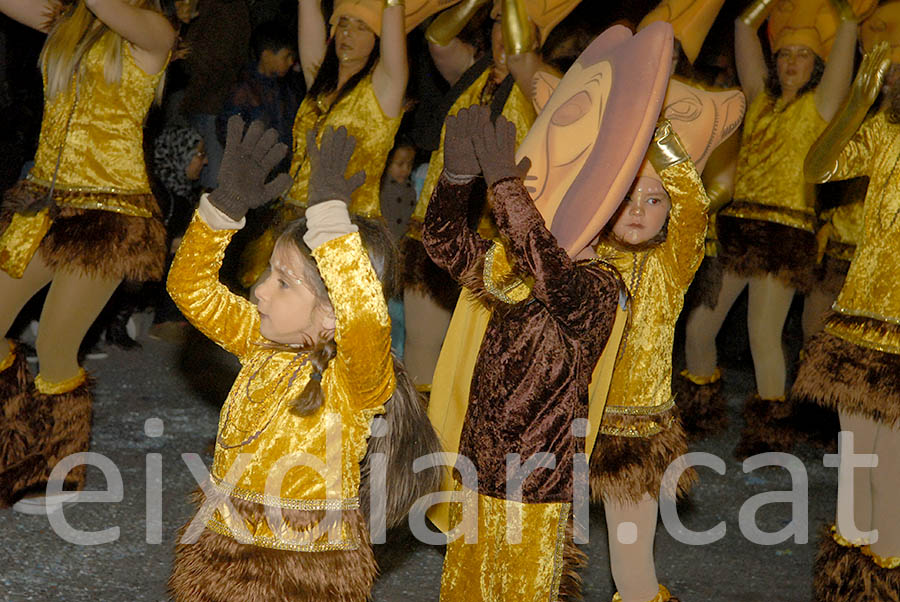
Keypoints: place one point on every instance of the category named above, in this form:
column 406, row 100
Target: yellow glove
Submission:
column 754, row 15
column 518, row 33
column 822, row 160
column 666, row 148
column 449, row 23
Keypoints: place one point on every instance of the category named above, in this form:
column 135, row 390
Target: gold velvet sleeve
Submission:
column 362, row 325
column 227, row 319
column 856, row 157
column 685, row 240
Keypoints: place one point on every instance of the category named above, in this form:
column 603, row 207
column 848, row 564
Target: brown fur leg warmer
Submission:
column 625, row 468
column 845, row 574
column 217, row 568
column 850, row 378
column 767, row 427
column 703, row 408
column 16, row 391
column 574, row 559
column 58, row 426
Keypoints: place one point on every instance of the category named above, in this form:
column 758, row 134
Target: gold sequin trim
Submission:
column 853, row 313
column 662, row 596
column 515, row 291
column 558, row 560
column 278, row 544
column 48, row 388
column 274, row 501
column 641, row 410
column 842, row 541
column 636, row 431
column 117, row 202
column 61, row 188
column 858, row 340
column 703, row 380
column 771, row 213
column 10, row 358
column 885, row 562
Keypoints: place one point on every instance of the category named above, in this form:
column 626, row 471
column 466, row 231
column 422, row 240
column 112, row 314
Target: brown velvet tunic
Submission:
column 534, row 366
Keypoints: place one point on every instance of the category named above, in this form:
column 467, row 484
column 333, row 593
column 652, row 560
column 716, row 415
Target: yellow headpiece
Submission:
column 883, row 26
column 690, row 19
column 810, row 23
column 369, row 12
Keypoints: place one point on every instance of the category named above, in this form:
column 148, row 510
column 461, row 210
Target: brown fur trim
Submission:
column 421, row 273
column 17, row 434
column 574, row 559
column 625, row 468
column 106, row 244
column 843, row 574
column 831, row 273
column 755, row 248
column 707, row 284
column 56, row 426
column 849, row 378
column 702, row 407
column 768, row 426
column 19, row 198
column 217, row 568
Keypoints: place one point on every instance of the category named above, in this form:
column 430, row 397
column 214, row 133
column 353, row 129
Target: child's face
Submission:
column 643, row 213
column 290, row 312
column 401, row 164
column 277, row 64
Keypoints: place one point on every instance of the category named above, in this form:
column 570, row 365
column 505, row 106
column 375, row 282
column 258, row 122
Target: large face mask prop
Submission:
column 589, row 139
column 690, row 19
column 810, row 23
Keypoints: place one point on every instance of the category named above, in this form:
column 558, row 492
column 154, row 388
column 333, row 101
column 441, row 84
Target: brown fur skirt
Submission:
column 850, row 378
column 706, row 286
column 98, row 243
column 831, row 273
column 217, row 568
column 755, row 248
column 623, row 469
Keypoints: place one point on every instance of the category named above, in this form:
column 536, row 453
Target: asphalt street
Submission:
column 156, row 404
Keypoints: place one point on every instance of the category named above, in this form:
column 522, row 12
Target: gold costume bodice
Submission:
column 517, row 108
column 844, row 229
column 870, row 289
column 769, row 183
column 364, row 119
column 260, row 438
column 99, row 128
column 657, row 279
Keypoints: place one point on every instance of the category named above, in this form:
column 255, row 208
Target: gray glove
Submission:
column 459, row 154
column 248, row 159
column 328, row 164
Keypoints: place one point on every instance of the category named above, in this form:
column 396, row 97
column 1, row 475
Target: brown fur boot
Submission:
column 16, row 392
column 701, row 404
column 767, row 427
column 54, row 426
column 848, row 574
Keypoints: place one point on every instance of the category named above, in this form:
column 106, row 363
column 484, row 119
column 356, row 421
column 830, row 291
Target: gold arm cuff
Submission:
column 48, row 388
column 885, row 562
column 449, row 23
column 518, row 34
column 756, row 13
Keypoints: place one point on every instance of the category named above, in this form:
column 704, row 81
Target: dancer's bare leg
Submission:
column 815, row 305
column 632, row 529
column 856, row 490
column 426, row 327
column 886, row 492
column 768, row 306
column 704, row 324
column 15, row 293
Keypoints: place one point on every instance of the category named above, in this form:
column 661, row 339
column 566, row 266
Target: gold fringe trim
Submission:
column 703, row 380
column 48, row 388
column 558, row 560
column 770, row 213
column 662, row 596
column 279, row 502
column 849, row 325
column 10, row 358
column 885, row 562
column 278, row 544
column 842, row 541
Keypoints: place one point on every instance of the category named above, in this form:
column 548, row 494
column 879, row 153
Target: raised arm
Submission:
column 312, row 38
column 521, row 46
column 832, row 90
column 391, row 74
column 149, row 32
column 445, row 235
column 32, row 13
column 362, row 326
column 751, row 64
column 452, row 56
column 823, row 159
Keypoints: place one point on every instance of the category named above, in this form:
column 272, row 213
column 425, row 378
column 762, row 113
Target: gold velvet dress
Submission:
column 529, row 385
column 288, row 482
column 420, row 272
column 854, row 366
column 841, row 231
column 769, row 226
column 358, row 111
column 640, row 434
column 90, row 152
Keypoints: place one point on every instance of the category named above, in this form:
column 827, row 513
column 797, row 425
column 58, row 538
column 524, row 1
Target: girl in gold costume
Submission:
column 287, row 508
column 854, row 365
column 82, row 220
column 355, row 78
column 767, row 233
